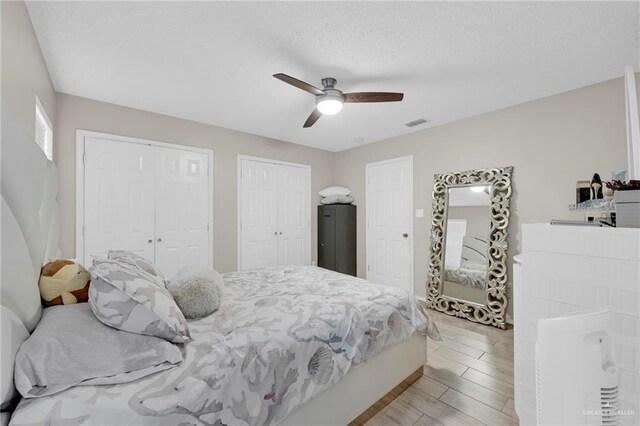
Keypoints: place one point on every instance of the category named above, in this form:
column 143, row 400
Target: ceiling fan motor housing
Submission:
column 329, row 82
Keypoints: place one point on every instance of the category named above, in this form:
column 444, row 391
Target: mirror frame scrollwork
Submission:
column 493, row 311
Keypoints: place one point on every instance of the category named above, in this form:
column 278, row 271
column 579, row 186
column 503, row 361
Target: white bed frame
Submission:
column 363, row 387
column 30, row 234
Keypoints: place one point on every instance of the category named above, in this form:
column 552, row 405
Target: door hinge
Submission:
column 208, row 171
column 368, row 267
column 208, row 227
column 84, row 158
column 83, row 230
column 240, row 225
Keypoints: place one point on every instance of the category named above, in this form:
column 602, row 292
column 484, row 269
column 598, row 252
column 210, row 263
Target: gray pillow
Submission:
column 127, row 298
column 337, row 199
column 197, row 290
column 71, row 347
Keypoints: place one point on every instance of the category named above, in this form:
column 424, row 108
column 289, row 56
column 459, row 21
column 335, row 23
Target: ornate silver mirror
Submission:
column 468, row 256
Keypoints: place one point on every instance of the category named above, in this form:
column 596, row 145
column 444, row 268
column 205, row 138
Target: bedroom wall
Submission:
column 80, row 113
column 551, row 142
column 24, row 72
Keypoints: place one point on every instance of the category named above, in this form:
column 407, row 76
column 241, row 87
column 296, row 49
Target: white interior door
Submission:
column 182, row 234
column 258, row 215
column 390, row 223
column 294, row 218
column 118, row 198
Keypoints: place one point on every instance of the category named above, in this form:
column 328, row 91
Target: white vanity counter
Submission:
column 566, row 269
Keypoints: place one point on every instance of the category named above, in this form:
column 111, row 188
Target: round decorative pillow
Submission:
column 197, row 290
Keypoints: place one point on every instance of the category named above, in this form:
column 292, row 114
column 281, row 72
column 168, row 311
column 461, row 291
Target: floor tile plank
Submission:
column 458, row 345
column 490, row 339
column 443, row 413
column 489, row 382
column 503, row 372
column 471, row 389
column 427, row 421
column 497, row 360
column 430, row 387
column 403, row 414
column 442, row 363
column 510, row 409
column 475, row 409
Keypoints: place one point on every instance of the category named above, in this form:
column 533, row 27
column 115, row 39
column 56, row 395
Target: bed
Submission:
column 284, row 335
column 290, row 345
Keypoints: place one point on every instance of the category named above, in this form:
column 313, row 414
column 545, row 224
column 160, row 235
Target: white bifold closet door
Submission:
column 151, row 200
column 274, row 214
column 119, row 197
column 182, row 201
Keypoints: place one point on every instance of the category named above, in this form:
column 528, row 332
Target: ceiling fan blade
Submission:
column 359, row 97
column 299, row 84
column 312, row 118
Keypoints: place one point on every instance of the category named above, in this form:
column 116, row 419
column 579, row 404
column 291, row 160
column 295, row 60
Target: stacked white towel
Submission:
column 336, row 195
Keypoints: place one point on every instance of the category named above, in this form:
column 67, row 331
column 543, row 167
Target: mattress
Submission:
column 282, row 336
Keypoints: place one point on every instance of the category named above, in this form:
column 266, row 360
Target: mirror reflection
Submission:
column 466, row 244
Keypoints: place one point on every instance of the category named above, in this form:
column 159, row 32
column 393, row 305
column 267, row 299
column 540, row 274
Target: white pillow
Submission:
column 334, row 190
column 337, row 199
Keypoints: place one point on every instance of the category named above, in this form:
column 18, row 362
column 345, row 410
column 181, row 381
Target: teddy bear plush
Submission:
column 63, row 282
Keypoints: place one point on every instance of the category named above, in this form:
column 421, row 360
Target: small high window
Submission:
column 44, row 130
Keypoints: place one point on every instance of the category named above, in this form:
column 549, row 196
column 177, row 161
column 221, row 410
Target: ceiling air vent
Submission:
column 417, row 122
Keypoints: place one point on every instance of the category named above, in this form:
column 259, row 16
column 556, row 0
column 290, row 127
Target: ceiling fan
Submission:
column 330, row 100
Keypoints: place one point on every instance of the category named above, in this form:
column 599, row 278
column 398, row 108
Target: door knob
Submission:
column 405, row 235
column 159, row 240
column 149, row 241
column 275, row 233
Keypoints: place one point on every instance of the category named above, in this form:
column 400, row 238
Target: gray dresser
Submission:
column 337, row 238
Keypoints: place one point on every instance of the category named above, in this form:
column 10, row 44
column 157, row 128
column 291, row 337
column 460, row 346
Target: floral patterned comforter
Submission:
column 282, row 336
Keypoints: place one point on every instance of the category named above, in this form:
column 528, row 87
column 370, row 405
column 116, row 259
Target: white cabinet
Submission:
column 566, row 269
column 274, row 211
column 150, row 199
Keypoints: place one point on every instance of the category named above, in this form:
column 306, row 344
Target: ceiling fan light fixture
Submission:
column 329, row 105
column 330, row 100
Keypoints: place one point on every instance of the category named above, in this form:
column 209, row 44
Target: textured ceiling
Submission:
column 213, row 62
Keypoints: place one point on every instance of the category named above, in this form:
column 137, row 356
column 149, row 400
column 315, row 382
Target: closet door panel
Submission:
column 258, row 216
column 118, row 199
column 182, row 209
column 293, row 215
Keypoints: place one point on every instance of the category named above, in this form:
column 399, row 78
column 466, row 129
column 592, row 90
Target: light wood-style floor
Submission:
column 468, row 379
